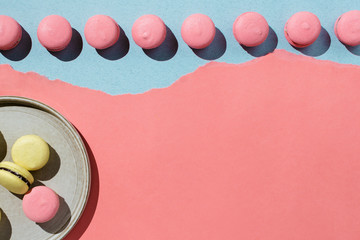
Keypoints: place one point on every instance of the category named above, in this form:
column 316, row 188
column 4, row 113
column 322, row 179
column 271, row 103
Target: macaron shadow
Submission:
column 268, row 46
column 60, row 221
column 166, row 50
column 73, row 50
column 353, row 49
column 3, row 147
column 215, row 50
column 118, row 50
column 34, row 184
column 45, row 173
column 319, row 47
column 5, row 227
column 51, row 167
column 93, row 198
column 23, row 48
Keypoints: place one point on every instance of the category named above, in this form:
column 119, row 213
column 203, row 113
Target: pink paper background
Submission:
column 268, row 150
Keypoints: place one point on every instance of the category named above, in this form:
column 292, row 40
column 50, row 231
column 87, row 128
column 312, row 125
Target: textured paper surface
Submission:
column 268, row 150
column 139, row 71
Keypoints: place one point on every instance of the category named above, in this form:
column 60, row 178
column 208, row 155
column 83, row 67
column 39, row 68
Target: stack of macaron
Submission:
column 29, row 153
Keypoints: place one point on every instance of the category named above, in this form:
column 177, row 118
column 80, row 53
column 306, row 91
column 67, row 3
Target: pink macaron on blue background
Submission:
column 129, row 69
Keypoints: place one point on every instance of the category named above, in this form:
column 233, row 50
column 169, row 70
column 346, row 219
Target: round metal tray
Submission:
column 67, row 172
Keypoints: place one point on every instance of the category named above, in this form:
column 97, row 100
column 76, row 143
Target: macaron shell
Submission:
column 19, row 169
column 198, row 31
column 347, row 28
column 302, row 29
column 40, row 204
column 149, row 31
column 10, row 32
column 54, row 32
column 30, row 152
column 250, row 29
column 12, row 182
column 291, row 42
column 101, row 31
column 335, row 27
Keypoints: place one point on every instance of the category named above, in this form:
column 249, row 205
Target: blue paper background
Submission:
column 136, row 72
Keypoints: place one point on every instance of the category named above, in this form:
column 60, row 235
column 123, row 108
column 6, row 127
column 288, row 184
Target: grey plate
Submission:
column 67, row 172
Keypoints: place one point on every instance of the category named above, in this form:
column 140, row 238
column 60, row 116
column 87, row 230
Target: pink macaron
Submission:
column 302, row 29
column 10, row 32
column 101, row 31
column 250, row 29
column 149, row 31
column 40, row 204
column 347, row 28
column 198, row 31
column 54, row 33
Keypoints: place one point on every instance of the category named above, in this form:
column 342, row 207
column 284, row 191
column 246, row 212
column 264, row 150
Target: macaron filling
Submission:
column 295, row 44
column 291, row 41
column 22, row 178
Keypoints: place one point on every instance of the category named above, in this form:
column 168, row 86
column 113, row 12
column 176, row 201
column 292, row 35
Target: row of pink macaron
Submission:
column 198, row 30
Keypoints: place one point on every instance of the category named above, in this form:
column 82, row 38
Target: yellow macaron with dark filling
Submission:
column 31, row 152
column 15, row 178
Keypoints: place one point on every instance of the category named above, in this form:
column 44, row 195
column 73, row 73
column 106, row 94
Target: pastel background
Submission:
column 136, row 72
column 227, row 152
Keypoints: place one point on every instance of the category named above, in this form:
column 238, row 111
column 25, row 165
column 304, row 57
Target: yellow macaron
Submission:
column 30, row 152
column 15, row 178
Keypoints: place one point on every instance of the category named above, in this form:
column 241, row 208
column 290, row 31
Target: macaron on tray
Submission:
column 44, row 171
column 29, row 152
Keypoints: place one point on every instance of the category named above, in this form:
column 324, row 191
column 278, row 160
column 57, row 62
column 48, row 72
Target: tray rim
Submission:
column 32, row 103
